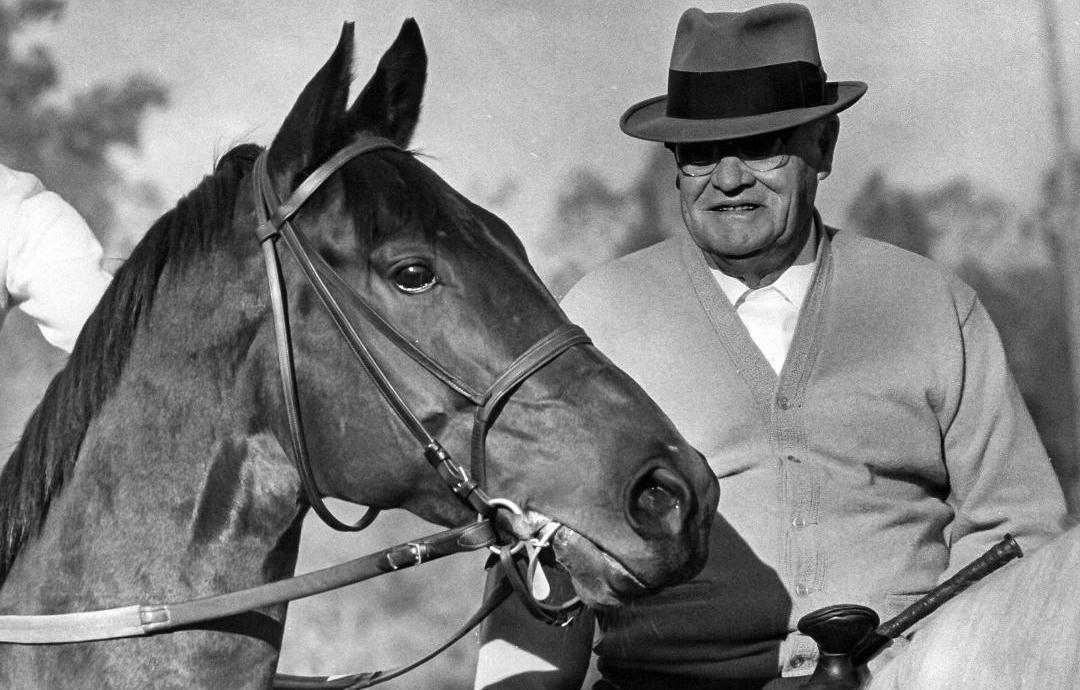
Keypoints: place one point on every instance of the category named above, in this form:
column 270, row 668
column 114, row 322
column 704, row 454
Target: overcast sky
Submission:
column 528, row 90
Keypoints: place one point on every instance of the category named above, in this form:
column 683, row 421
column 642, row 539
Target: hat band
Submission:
column 739, row 93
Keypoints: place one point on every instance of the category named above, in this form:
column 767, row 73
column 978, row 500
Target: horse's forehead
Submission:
column 422, row 207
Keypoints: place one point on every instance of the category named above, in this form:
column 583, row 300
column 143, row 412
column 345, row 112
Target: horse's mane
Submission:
column 45, row 455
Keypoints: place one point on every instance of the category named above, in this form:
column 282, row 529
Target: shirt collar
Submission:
column 793, row 283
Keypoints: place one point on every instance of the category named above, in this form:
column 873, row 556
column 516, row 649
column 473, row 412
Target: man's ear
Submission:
column 826, row 144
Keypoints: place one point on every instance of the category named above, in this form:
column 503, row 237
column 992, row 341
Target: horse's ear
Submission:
column 311, row 129
column 389, row 104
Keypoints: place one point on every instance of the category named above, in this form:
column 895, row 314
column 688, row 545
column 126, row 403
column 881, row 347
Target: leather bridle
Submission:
column 274, row 223
column 154, row 618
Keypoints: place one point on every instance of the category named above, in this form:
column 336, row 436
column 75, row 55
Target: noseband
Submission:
column 274, row 222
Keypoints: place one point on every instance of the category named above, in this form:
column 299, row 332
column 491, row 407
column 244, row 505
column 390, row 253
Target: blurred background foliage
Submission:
column 1010, row 255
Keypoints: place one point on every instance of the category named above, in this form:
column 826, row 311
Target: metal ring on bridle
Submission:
column 516, row 510
column 508, row 504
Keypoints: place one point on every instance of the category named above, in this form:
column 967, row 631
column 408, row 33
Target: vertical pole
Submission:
column 1063, row 219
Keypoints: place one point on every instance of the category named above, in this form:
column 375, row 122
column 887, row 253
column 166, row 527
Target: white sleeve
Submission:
column 53, row 261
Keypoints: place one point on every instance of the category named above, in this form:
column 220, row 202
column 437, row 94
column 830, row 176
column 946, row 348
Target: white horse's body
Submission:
column 1019, row 628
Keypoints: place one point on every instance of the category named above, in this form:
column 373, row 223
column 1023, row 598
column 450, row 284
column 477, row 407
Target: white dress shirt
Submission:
column 770, row 313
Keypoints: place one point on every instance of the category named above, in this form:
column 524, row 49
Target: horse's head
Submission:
column 568, row 437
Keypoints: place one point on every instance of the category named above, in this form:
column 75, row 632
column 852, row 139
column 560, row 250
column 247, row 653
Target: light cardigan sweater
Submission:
column 893, row 449
column 49, row 259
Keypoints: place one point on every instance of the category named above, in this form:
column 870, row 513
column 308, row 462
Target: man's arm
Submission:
column 53, row 261
column 1000, row 476
column 519, row 652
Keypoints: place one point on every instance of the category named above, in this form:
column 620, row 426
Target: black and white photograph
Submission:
column 499, row 345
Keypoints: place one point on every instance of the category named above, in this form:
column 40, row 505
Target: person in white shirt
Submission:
column 50, row 261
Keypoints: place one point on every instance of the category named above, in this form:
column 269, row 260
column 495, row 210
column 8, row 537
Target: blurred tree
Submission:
column 1057, row 217
column 889, row 215
column 66, row 141
column 596, row 223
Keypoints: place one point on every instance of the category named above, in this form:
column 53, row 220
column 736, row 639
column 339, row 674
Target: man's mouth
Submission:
column 725, row 208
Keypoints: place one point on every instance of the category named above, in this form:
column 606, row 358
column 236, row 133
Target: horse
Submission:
column 1017, row 628
column 162, row 463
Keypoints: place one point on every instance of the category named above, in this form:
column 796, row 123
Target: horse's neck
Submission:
column 170, row 499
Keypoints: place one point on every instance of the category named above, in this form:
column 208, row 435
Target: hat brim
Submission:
column 649, row 120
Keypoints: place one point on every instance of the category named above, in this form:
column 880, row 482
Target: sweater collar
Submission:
column 793, row 283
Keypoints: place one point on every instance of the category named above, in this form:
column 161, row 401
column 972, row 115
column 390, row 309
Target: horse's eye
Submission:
column 414, row 278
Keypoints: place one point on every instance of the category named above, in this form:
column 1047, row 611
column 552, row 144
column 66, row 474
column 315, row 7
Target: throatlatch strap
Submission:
column 271, row 217
column 274, row 224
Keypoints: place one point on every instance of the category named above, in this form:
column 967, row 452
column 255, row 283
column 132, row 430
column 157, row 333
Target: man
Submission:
column 852, row 398
column 50, row 261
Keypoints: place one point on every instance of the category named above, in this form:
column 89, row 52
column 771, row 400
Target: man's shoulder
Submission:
column 624, row 291
column 634, row 272
column 893, row 268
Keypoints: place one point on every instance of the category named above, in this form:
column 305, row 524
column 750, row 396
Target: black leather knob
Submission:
column 837, row 629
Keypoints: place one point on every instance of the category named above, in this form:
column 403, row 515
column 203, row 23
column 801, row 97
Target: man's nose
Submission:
column 731, row 174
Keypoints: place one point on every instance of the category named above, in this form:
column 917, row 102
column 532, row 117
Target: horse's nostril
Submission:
column 660, row 502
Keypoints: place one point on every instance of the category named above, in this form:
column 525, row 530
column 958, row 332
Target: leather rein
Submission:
column 274, row 224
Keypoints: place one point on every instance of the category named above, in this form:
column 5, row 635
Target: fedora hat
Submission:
column 736, row 74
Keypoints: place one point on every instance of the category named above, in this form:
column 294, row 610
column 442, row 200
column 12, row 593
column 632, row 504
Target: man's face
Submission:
column 738, row 212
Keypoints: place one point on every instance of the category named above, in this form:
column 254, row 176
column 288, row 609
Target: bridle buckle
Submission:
column 405, row 556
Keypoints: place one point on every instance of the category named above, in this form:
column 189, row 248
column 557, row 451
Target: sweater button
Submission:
column 783, row 402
